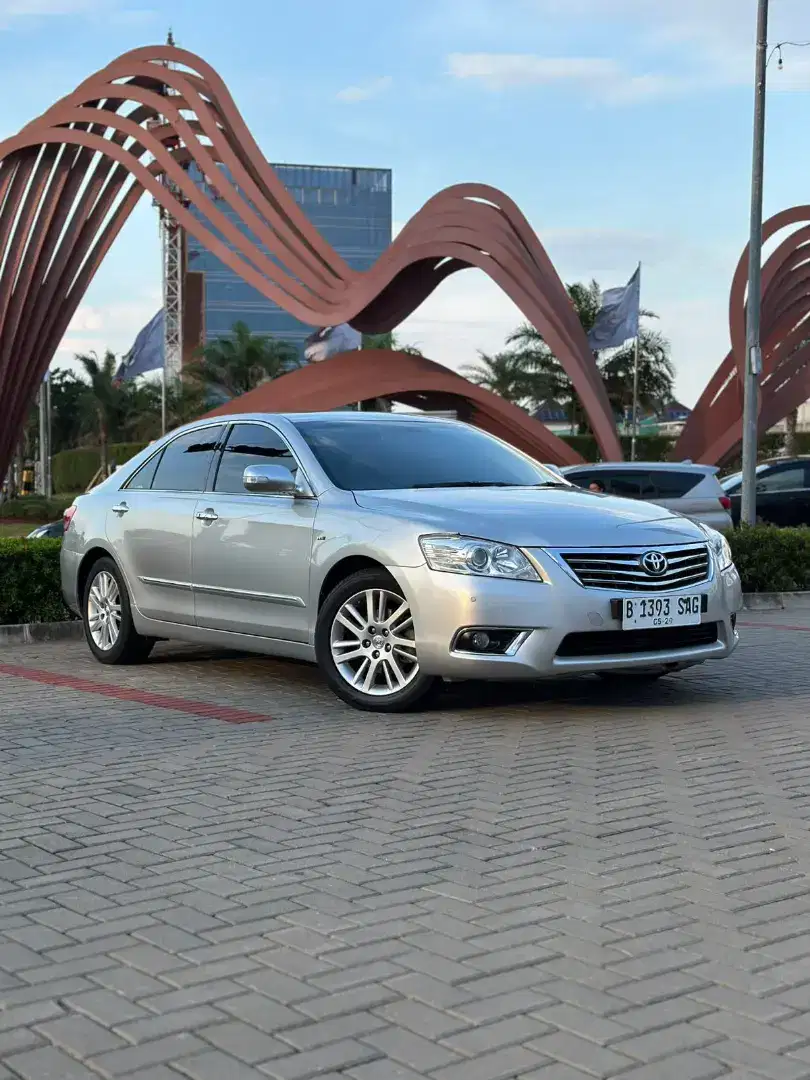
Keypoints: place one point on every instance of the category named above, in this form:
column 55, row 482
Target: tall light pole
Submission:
column 753, row 352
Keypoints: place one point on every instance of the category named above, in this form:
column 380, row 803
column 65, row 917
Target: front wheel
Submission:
column 366, row 646
column 108, row 625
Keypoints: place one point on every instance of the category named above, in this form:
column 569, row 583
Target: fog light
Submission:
column 491, row 640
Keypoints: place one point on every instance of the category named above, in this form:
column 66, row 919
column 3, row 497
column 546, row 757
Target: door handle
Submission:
column 208, row 516
column 121, row 509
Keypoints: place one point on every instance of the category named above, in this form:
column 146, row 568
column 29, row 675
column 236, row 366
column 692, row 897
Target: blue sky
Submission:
column 622, row 128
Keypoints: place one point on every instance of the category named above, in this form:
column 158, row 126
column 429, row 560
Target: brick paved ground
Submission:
column 549, row 884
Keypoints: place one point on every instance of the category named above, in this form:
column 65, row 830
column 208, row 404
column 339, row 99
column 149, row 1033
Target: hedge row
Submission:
column 73, row 470
column 35, row 508
column 30, row 589
column 768, row 559
column 771, row 559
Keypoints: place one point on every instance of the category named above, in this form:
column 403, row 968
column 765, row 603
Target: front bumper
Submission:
column 442, row 604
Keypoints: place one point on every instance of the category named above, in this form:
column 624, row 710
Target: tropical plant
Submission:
column 238, row 363
column 545, row 379
column 656, row 374
column 389, row 340
column 505, row 374
column 107, row 396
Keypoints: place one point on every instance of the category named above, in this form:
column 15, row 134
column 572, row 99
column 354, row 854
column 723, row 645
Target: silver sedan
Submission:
column 395, row 551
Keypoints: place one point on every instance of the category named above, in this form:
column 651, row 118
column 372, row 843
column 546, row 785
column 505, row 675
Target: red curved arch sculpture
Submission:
column 714, row 431
column 412, row 380
column 71, row 178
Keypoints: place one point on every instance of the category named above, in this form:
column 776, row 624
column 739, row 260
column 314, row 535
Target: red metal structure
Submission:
column 70, row 179
column 411, row 380
column 713, row 433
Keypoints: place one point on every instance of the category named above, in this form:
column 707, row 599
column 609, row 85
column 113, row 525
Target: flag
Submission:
column 146, row 353
column 330, row 340
column 617, row 320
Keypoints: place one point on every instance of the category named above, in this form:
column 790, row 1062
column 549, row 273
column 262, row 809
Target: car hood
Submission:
column 535, row 517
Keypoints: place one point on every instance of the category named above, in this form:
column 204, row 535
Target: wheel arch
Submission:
column 345, row 568
column 89, row 560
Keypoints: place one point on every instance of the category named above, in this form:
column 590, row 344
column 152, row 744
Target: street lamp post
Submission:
column 753, row 352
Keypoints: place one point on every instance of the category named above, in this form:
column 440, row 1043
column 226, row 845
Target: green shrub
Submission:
column 35, row 508
column 73, row 470
column 30, row 588
column 648, row 447
column 771, row 559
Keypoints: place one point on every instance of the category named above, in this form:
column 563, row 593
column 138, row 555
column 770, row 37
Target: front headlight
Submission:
column 719, row 547
column 481, row 558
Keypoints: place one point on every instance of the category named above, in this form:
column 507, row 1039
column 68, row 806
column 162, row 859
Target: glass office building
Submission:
column 351, row 208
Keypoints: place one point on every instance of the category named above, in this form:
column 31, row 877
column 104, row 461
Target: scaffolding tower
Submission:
column 172, row 247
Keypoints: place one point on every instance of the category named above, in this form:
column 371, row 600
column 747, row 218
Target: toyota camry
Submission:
column 395, row 551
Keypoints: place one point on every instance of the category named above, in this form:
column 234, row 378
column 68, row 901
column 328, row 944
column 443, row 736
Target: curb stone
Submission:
column 35, row 633
column 786, row 601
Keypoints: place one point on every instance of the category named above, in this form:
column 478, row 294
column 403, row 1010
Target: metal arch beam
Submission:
column 70, row 179
column 714, row 430
column 383, row 373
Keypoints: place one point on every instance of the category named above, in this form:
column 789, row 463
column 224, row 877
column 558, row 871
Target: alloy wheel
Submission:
column 373, row 644
column 104, row 611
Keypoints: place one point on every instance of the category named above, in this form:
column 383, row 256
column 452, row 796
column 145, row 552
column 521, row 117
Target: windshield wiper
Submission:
column 467, row 484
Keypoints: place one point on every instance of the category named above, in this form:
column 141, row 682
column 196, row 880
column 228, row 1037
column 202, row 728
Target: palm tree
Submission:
column 791, row 425
column 389, row 340
column 242, row 361
column 503, row 374
column 656, row 374
column 106, row 397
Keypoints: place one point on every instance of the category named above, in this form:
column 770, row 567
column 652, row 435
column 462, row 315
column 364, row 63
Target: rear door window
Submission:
column 185, row 462
column 673, row 485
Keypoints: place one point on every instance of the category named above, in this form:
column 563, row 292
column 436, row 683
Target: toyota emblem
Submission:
column 654, row 563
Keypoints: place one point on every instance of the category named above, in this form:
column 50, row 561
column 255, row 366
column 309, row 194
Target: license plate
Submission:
column 653, row 612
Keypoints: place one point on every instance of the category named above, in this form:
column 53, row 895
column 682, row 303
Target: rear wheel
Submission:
column 366, row 646
column 107, row 617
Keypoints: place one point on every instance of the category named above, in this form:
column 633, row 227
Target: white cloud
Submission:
column 600, row 77
column 689, row 46
column 114, row 326
column 351, row 95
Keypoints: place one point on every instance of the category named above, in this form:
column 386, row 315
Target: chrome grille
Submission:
column 622, row 570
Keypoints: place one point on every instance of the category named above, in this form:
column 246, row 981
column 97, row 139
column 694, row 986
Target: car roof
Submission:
column 340, row 416
column 658, row 466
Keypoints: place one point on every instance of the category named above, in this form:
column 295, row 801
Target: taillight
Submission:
column 725, row 502
column 67, row 517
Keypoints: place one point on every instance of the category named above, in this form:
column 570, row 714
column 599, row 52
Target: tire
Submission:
column 348, row 650
column 112, row 640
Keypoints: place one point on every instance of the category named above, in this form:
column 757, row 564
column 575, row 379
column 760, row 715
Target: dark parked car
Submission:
column 54, row 531
column 783, row 492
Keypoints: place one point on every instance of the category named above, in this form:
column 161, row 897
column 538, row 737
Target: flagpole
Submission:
column 635, row 380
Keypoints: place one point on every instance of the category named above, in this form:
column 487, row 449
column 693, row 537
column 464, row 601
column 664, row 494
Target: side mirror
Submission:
column 268, row 480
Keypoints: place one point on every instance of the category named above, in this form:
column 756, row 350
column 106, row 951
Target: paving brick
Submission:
column 48, row 1063
column 597, row 884
column 336, row 1056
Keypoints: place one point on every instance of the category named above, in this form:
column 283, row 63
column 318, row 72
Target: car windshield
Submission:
column 390, row 454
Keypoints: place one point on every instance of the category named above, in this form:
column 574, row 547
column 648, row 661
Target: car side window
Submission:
column 250, row 444
column 627, row 484
column 673, row 485
column 185, row 462
column 787, row 479
column 142, row 480
column 581, row 479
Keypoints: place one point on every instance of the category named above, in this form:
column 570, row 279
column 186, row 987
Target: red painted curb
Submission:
column 224, row 713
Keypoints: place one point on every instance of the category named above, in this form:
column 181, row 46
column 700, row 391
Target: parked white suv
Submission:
column 689, row 489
